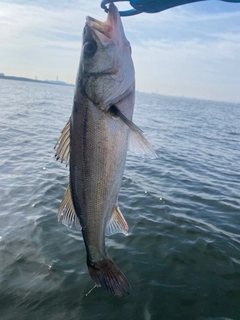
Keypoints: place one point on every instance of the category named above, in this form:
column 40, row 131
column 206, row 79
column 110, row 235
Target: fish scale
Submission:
column 94, row 136
column 101, row 131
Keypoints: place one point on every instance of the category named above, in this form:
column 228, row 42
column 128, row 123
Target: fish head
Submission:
column 106, row 67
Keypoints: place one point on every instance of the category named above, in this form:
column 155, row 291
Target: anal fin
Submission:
column 69, row 218
column 117, row 224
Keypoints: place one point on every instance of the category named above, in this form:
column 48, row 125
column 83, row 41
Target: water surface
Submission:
column 182, row 254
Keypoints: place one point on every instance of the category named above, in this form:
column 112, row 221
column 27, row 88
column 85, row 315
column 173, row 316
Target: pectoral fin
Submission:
column 63, row 145
column 66, row 211
column 117, row 224
column 137, row 143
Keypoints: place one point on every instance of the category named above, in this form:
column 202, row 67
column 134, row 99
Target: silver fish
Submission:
column 95, row 141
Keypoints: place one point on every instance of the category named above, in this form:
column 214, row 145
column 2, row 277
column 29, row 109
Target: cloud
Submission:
column 40, row 40
column 194, row 68
column 192, row 50
column 20, row 23
column 186, row 52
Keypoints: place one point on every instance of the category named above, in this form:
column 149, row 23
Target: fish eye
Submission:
column 89, row 49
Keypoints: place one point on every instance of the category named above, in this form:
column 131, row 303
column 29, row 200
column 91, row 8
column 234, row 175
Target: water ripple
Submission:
column 182, row 254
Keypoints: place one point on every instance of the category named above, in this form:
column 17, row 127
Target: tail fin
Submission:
column 107, row 275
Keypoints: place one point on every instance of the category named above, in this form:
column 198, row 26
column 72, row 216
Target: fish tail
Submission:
column 106, row 274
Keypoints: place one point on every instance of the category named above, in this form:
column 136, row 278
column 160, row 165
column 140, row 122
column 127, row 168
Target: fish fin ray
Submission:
column 117, row 223
column 63, row 145
column 106, row 274
column 67, row 213
column 139, row 145
column 117, row 113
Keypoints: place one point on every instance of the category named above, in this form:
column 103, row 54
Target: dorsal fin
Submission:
column 117, row 224
column 63, row 145
column 66, row 211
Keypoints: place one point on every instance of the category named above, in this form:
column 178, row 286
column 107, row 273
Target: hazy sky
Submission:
column 192, row 50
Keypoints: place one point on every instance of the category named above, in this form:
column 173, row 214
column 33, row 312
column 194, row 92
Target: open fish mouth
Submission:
column 109, row 29
column 99, row 26
column 98, row 135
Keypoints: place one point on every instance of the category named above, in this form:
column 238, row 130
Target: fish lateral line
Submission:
column 69, row 218
column 95, row 147
column 137, row 143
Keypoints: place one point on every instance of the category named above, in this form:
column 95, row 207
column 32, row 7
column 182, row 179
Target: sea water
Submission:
column 182, row 253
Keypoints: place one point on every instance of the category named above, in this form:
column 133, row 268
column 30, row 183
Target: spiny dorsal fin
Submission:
column 66, row 211
column 137, row 143
column 63, row 145
column 117, row 224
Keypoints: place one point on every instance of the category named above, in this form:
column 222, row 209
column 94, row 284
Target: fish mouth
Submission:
column 109, row 29
column 99, row 26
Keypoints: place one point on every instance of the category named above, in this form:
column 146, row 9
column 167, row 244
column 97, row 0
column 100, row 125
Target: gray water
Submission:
column 182, row 254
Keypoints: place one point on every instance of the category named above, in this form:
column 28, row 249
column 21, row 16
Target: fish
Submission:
column 94, row 145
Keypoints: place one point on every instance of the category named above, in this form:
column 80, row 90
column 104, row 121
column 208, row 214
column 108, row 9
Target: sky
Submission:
column 191, row 50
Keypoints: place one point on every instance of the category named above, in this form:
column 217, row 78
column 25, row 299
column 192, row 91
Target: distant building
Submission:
column 1, row 74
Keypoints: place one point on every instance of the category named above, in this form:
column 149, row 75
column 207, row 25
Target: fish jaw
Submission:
column 106, row 76
column 111, row 29
column 99, row 139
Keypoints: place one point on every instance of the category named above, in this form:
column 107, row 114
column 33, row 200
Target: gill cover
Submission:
column 107, row 71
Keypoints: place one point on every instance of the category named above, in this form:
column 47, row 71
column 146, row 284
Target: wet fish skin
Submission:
column 95, row 141
column 98, row 144
column 95, row 178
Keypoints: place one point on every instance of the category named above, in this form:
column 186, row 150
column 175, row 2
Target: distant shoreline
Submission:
column 60, row 83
